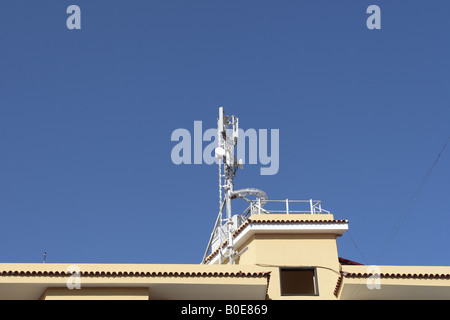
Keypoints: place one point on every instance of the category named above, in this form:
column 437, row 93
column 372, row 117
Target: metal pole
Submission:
column 229, row 224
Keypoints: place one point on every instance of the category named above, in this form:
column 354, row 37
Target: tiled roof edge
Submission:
column 338, row 286
column 136, row 273
column 399, row 275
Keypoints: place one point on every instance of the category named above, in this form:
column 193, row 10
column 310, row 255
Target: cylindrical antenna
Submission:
column 235, row 130
column 220, row 122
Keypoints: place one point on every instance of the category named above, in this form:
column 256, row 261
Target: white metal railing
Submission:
column 285, row 207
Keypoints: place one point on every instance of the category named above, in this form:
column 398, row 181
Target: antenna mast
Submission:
column 221, row 244
column 228, row 165
column 227, row 139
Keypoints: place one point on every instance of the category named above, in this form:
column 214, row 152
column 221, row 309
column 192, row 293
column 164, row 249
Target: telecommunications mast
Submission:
column 221, row 247
column 221, row 238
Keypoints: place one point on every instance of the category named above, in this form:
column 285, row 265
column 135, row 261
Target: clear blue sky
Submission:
column 86, row 118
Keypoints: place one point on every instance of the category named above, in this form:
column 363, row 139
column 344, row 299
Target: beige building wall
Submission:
column 318, row 251
column 102, row 293
column 279, row 250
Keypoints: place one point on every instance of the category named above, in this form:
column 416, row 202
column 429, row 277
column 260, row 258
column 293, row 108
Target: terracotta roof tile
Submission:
column 343, row 261
column 282, row 221
column 399, row 275
column 338, row 286
column 134, row 274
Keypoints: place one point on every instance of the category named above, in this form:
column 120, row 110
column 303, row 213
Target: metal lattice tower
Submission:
column 227, row 139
